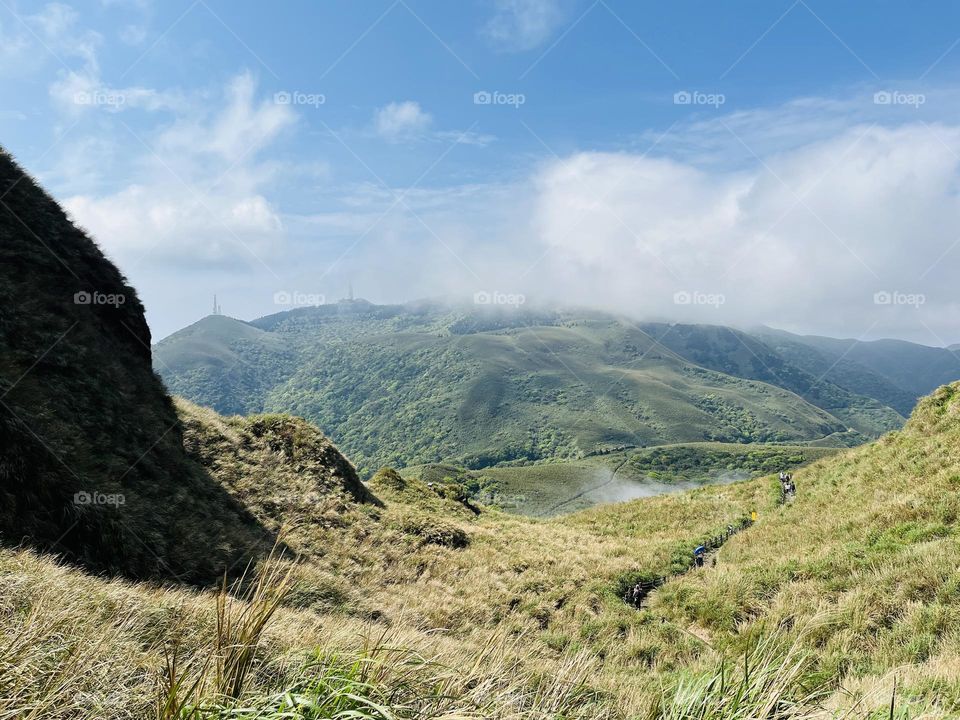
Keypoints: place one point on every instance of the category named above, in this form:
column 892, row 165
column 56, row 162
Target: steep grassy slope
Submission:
column 427, row 382
column 832, row 596
column 868, row 554
column 447, row 611
column 92, row 457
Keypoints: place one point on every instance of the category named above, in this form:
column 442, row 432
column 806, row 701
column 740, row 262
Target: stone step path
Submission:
column 788, row 491
column 712, row 545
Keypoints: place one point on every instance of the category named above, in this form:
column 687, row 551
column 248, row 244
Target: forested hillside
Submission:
column 431, row 382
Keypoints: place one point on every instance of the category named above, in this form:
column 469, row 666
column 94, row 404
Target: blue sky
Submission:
column 786, row 163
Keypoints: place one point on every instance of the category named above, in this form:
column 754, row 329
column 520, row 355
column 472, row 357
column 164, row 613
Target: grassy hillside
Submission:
column 869, row 408
column 421, row 383
column 427, row 608
column 224, row 361
column 403, row 597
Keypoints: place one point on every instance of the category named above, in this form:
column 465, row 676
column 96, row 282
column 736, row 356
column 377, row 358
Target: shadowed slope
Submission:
column 92, row 463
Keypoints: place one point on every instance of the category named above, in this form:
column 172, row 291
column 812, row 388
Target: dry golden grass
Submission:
column 829, row 601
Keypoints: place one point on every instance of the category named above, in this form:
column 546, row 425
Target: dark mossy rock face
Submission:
column 92, row 463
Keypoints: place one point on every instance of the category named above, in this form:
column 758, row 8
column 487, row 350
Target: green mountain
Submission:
column 893, row 371
column 427, row 382
column 743, row 355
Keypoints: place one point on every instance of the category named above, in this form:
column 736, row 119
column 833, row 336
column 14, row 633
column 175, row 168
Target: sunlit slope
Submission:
column 856, row 395
column 226, row 363
column 860, row 571
column 894, row 372
column 870, row 547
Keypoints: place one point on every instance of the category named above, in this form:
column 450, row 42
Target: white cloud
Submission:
column 402, row 120
column 804, row 239
column 47, row 36
column 407, row 121
column 55, row 34
column 519, row 25
column 235, row 124
column 57, row 30
column 199, row 200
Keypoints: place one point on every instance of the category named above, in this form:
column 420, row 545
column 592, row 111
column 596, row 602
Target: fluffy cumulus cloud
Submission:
column 519, row 25
column 854, row 234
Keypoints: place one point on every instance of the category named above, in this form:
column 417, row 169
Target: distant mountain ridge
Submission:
column 429, row 381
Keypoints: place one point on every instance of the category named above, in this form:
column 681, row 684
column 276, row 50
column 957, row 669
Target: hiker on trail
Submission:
column 637, row 594
column 698, row 555
column 783, row 476
column 730, row 531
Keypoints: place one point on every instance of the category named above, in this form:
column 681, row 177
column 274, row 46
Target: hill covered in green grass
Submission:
column 480, row 386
